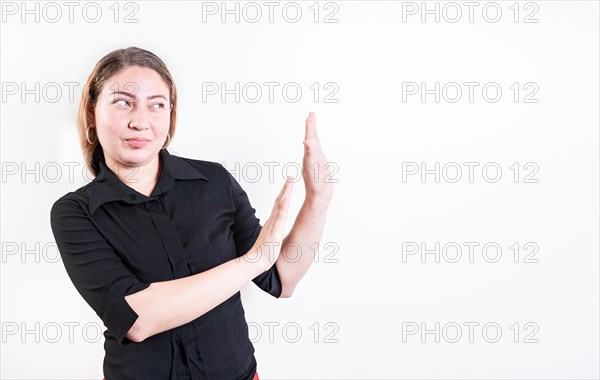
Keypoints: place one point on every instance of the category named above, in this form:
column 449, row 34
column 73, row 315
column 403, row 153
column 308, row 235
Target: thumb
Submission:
column 282, row 202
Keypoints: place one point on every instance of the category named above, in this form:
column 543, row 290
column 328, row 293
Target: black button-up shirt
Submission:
column 115, row 241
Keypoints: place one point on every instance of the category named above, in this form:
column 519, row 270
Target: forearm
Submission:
column 299, row 246
column 168, row 304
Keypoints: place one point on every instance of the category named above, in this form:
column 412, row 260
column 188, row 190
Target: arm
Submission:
column 135, row 310
column 168, row 304
column 310, row 222
column 305, row 233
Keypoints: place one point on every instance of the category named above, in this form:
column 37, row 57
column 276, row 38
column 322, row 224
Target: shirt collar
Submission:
column 107, row 187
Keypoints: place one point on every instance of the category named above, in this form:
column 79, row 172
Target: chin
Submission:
column 138, row 157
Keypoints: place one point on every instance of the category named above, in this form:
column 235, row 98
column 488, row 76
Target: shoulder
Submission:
column 202, row 165
column 72, row 200
column 214, row 171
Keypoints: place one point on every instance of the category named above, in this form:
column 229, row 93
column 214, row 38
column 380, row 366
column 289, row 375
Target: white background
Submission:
column 373, row 291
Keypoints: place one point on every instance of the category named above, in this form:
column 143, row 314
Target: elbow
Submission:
column 286, row 292
column 144, row 326
column 138, row 332
column 134, row 336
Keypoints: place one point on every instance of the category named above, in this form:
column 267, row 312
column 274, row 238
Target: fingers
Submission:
column 311, row 142
column 311, row 127
column 282, row 202
column 284, row 196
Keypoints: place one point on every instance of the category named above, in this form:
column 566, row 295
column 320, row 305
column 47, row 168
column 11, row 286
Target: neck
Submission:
column 141, row 178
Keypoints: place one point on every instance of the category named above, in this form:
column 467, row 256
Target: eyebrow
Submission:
column 133, row 96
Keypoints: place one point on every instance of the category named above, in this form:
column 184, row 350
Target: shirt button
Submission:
column 153, row 205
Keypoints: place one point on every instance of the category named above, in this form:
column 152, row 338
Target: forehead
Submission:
column 137, row 79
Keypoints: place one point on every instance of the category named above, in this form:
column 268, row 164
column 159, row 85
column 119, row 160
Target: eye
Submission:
column 160, row 105
column 122, row 100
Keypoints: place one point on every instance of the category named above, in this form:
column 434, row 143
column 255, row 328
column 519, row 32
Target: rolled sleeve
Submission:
column 98, row 273
column 246, row 228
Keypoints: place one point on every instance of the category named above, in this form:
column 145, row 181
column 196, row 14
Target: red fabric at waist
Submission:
column 254, row 378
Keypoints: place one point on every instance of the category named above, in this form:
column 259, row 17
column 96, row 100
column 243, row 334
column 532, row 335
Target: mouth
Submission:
column 137, row 142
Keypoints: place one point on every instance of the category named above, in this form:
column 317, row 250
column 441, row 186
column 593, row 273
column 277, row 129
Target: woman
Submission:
column 160, row 245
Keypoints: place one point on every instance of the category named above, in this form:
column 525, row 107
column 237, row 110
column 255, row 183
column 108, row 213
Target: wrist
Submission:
column 254, row 260
column 317, row 203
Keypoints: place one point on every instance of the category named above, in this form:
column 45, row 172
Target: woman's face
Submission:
column 133, row 116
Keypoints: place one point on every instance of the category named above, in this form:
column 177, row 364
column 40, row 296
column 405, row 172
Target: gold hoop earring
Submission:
column 168, row 141
column 87, row 136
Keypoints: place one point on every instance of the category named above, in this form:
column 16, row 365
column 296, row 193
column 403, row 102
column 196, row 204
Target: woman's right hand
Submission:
column 267, row 247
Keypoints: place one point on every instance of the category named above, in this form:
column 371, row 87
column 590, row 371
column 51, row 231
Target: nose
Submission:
column 139, row 119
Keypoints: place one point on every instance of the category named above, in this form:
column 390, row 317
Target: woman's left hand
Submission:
column 316, row 171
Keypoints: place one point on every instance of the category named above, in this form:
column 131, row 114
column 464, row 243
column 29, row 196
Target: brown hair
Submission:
column 111, row 64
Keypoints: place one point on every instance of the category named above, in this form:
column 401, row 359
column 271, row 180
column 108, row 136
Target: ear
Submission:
column 91, row 118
